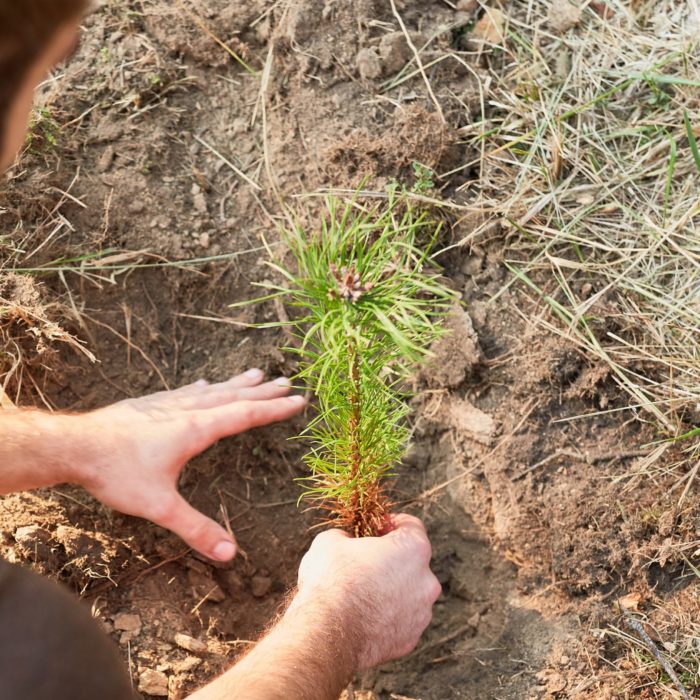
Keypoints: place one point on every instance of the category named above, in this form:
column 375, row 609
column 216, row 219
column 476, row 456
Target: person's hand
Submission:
column 383, row 584
column 141, row 446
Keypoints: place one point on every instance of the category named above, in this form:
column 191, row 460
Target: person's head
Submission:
column 34, row 36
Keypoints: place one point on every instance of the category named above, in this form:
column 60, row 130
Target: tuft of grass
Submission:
column 589, row 158
column 365, row 303
column 44, row 131
column 28, row 339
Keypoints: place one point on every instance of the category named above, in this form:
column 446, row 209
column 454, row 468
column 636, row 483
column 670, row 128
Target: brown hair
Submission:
column 26, row 27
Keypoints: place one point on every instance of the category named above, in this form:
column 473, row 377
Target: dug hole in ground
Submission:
column 555, row 140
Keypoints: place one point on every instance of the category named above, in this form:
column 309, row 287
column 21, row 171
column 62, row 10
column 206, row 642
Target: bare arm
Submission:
column 359, row 603
column 38, row 449
column 311, row 653
column 130, row 454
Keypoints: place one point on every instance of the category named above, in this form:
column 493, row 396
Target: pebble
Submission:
column 34, row 541
column 369, row 64
column 136, row 206
column 562, row 15
column 394, row 51
column 190, row 643
column 232, row 582
column 127, row 622
column 200, row 203
column 153, row 683
column 260, row 586
column 187, row 665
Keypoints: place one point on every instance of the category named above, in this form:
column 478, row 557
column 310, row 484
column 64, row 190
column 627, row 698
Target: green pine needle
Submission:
column 366, row 303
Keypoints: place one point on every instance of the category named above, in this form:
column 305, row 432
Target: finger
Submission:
column 329, row 537
column 410, row 534
column 188, row 396
column 403, row 522
column 220, row 394
column 233, row 418
column 197, row 530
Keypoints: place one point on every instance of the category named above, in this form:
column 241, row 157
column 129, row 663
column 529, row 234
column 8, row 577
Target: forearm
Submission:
column 38, row 449
column 311, row 654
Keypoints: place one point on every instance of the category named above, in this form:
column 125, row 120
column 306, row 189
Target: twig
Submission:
column 636, row 626
column 226, row 161
column 418, row 61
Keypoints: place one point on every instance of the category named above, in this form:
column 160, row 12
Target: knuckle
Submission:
column 435, row 589
column 252, row 410
column 162, row 510
column 196, row 424
column 423, row 548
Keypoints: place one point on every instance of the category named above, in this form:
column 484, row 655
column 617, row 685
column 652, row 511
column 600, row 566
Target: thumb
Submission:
column 197, row 530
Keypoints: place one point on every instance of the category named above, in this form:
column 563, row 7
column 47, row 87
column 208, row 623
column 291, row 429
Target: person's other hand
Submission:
column 142, row 445
column 383, row 584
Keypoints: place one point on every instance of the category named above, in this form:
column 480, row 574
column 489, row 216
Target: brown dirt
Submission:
column 538, row 523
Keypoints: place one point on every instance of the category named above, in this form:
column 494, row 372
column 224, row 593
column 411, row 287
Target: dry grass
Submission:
column 587, row 158
column 28, row 339
column 591, row 133
column 672, row 629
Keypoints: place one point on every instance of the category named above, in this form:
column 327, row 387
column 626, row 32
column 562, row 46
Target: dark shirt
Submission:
column 50, row 647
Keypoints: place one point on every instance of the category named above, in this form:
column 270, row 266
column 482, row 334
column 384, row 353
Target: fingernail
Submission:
column 297, row 399
column 201, row 382
column 283, row 381
column 253, row 373
column 224, row 551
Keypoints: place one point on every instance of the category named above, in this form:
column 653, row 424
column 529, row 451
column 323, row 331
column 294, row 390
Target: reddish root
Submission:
column 365, row 514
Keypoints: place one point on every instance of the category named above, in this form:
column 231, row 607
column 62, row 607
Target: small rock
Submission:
column 136, row 206
column 187, row 665
column 105, row 161
column 260, row 586
column 562, row 15
column 127, row 622
column 190, row 643
column 394, row 51
column 200, row 203
column 470, row 421
column 630, row 601
column 491, row 27
column 466, row 5
column 369, row 63
column 204, row 240
column 33, row 541
column 153, row 683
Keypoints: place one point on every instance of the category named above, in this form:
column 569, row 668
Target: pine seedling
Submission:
column 365, row 302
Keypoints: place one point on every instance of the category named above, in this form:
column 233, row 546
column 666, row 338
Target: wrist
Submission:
column 333, row 613
column 39, row 449
column 80, row 434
